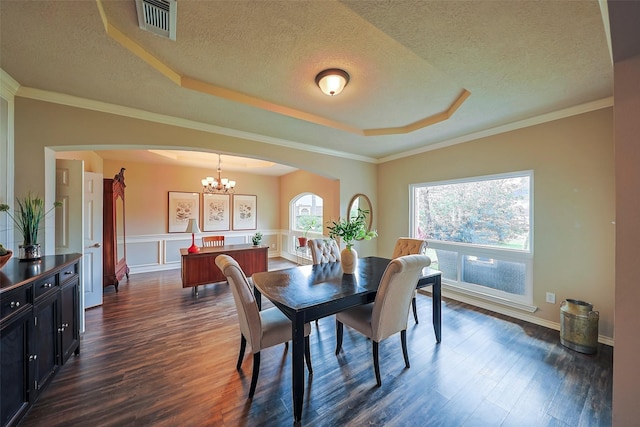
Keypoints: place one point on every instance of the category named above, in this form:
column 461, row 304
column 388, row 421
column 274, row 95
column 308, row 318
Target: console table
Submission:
column 200, row 268
column 39, row 328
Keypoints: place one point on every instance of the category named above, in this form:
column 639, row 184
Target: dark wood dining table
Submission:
column 310, row 292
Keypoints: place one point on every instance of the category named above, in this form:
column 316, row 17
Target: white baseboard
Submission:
column 511, row 313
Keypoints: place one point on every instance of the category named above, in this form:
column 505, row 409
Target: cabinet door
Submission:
column 44, row 341
column 69, row 325
column 14, row 371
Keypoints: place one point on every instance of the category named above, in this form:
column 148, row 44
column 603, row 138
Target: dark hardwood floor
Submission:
column 153, row 355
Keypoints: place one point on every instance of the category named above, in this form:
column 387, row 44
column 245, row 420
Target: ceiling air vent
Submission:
column 158, row 17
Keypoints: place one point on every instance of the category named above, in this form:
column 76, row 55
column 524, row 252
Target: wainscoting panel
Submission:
column 144, row 253
column 158, row 252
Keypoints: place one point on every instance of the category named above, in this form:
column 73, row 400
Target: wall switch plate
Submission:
column 551, row 297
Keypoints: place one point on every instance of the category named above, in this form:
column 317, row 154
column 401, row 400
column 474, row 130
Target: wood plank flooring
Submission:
column 153, row 355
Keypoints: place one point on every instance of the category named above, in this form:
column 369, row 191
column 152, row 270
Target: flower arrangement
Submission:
column 350, row 229
column 256, row 238
column 28, row 216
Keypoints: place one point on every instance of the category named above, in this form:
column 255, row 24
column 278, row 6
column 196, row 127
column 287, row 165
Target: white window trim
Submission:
column 525, row 256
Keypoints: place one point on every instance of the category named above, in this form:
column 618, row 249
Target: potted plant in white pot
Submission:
column 350, row 230
column 27, row 218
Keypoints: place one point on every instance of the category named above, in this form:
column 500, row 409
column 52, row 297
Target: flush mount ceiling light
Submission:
column 332, row 81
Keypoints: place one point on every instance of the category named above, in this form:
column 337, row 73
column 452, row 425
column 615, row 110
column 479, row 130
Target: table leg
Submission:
column 437, row 308
column 297, row 363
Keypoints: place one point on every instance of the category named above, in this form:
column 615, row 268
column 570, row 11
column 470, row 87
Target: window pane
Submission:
column 307, row 213
column 501, row 275
column 488, row 212
column 445, row 261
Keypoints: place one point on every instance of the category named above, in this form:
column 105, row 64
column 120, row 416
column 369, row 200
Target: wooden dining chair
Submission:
column 389, row 312
column 409, row 246
column 323, row 250
column 210, row 241
column 262, row 329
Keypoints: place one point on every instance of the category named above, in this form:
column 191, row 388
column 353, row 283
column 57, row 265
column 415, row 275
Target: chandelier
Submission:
column 219, row 185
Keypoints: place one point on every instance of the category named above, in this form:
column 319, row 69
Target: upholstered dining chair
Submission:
column 210, row 241
column 409, row 246
column 262, row 329
column 389, row 312
column 323, row 250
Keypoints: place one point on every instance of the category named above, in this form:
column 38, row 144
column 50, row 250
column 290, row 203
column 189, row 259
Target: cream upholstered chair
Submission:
column 323, row 250
column 388, row 313
column 209, row 241
column 409, row 246
column 262, row 329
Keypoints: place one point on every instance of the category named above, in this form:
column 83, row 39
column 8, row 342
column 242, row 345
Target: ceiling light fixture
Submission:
column 220, row 185
column 332, row 81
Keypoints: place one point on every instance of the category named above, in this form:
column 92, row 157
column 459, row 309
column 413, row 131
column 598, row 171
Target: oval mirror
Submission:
column 361, row 201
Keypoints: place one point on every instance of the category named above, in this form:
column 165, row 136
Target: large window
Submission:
column 479, row 231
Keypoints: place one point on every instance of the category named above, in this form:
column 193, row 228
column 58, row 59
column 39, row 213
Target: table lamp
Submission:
column 192, row 227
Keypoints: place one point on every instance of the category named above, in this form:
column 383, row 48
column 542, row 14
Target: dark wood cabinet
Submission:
column 200, row 268
column 39, row 328
column 114, row 253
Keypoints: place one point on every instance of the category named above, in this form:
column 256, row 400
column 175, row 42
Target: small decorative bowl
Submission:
column 5, row 258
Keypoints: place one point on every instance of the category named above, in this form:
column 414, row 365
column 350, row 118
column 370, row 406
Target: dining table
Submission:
column 310, row 292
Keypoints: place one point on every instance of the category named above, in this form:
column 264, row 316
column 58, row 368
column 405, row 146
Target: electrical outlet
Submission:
column 272, row 245
column 551, row 297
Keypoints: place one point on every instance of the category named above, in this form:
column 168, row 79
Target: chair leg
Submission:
column 415, row 310
column 286, row 345
column 254, row 377
column 307, row 354
column 403, row 339
column 243, row 345
column 339, row 329
column 376, row 365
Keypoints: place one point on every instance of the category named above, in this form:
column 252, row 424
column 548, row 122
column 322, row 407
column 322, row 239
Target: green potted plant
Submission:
column 27, row 218
column 256, row 238
column 350, row 230
column 307, row 223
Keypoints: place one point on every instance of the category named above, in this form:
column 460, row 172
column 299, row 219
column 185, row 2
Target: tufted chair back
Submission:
column 324, row 250
column 408, row 246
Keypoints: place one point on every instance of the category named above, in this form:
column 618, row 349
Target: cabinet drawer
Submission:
column 68, row 273
column 42, row 286
column 14, row 301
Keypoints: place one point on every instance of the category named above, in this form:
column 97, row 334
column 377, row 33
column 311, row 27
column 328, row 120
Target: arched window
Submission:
column 306, row 213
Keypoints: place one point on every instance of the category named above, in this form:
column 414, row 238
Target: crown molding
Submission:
column 73, row 101
column 8, row 85
column 532, row 121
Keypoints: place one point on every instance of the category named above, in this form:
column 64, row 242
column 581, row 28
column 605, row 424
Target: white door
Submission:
column 92, row 260
column 69, row 183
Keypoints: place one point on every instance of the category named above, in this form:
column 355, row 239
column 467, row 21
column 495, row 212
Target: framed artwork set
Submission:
column 220, row 212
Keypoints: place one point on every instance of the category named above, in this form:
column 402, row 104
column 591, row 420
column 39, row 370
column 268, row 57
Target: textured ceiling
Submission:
column 408, row 60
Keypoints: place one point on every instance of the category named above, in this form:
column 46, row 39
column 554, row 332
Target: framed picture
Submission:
column 182, row 207
column 245, row 212
column 216, row 212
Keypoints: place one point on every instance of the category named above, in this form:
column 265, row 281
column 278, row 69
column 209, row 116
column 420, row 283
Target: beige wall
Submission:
column 92, row 161
column 626, row 375
column 147, row 197
column 42, row 124
column 572, row 160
